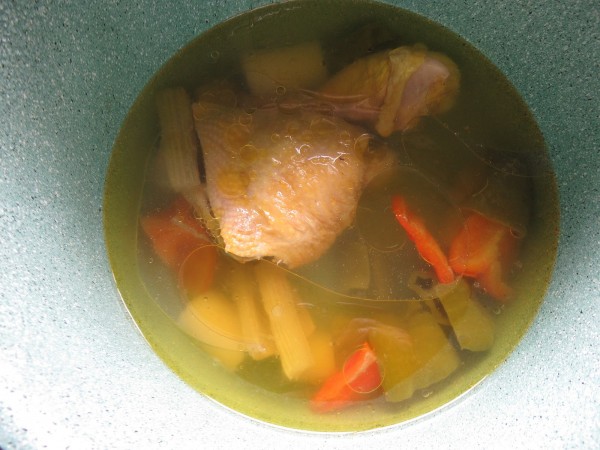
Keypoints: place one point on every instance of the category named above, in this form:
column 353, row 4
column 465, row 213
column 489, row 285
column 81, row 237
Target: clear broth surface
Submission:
column 488, row 122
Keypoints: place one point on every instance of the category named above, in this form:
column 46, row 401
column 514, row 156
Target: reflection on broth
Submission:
column 337, row 225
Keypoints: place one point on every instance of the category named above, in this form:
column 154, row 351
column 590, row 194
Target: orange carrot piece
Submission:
column 483, row 250
column 359, row 377
column 170, row 242
column 181, row 242
column 426, row 244
column 197, row 271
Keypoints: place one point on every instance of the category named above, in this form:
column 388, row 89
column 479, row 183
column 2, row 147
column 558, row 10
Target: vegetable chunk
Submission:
column 414, row 364
column 179, row 149
column 427, row 246
column 256, row 330
column 472, row 324
column 213, row 320
column 359, row 376
column 297, row 66
column 278, row 300
column 182, row 243
column 323, row 353
column 484, row 250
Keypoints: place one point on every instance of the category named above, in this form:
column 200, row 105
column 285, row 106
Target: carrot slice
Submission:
column 426, row 244
column 483, row 250
column 182, row 243
column 359, row 377
column 197, row 271
column 476, row 246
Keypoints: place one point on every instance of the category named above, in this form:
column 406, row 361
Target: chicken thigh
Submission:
column 391, row 90
column 280, row 185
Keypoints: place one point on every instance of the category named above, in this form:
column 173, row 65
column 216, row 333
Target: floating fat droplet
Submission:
column 249, row 153
column 237, row 135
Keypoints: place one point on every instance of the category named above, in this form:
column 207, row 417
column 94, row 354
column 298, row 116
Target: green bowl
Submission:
column 215, row 50
column 75, row 372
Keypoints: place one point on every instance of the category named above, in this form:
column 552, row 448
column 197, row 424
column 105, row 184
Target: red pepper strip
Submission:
column 482, row 250
column 359, row 377
column 183, row 244
column 475, row 248
column 426, row 244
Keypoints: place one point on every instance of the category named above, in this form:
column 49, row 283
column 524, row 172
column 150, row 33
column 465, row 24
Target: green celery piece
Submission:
column 472, row 323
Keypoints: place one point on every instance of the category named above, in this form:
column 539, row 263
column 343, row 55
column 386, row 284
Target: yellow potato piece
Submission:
column 436, row 356
column 298, row 66
column 212, row 319
column 415, row 363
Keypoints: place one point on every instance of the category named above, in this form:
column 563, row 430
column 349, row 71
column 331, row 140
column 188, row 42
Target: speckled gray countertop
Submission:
column 74, row 371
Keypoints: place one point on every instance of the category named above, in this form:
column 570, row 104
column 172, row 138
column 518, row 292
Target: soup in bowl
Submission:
column 331, row 216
